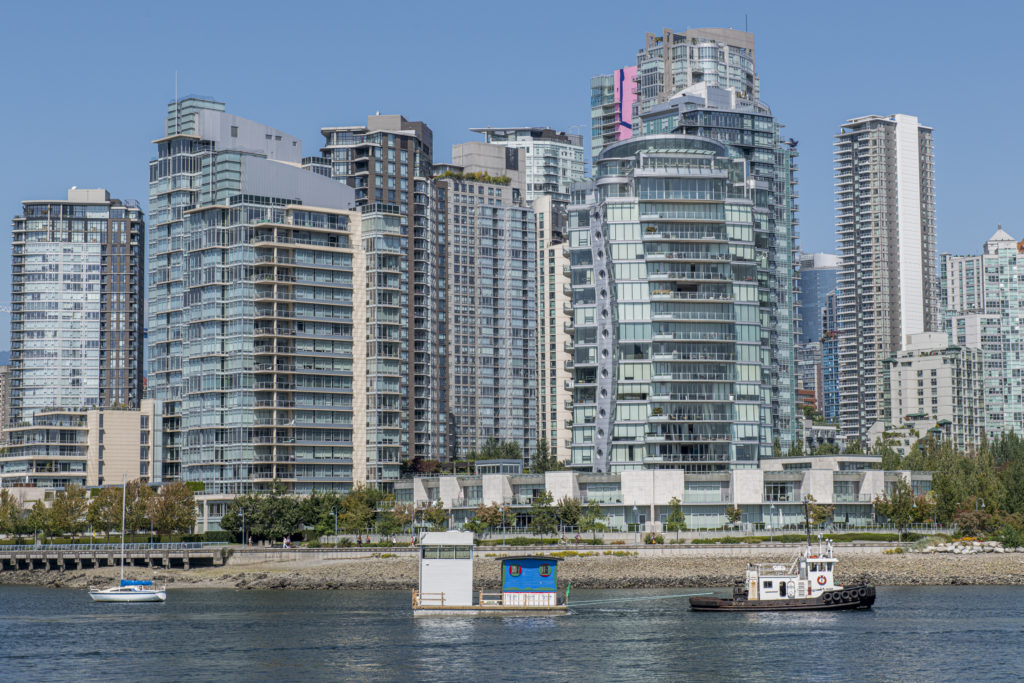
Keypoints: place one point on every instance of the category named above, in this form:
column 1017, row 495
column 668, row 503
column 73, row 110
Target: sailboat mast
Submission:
column 124, row 498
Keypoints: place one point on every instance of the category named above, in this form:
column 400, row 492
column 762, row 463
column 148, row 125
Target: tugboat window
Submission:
column 463, row 552
column 430, row 552
column 767, row 584
column 447, row 552
column 515, row 570
column 545, row 570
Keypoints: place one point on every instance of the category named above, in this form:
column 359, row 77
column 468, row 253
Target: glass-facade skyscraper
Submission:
column 389, row 164
column 749, row 128
column 492, row 302
column 255, row 298
column 672, row 61
column 76, row 304
column 669, row 353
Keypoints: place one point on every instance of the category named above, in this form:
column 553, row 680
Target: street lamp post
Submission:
column 334, row 513
column 636, row 521
column 771, row 523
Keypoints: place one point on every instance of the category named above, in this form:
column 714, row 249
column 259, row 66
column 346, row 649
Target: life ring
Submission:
column 822, row 580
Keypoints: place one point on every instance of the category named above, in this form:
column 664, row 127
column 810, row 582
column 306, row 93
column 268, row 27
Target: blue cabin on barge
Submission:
column 529, row 581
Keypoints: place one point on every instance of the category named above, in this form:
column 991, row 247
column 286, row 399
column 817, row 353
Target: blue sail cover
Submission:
column 131, row 582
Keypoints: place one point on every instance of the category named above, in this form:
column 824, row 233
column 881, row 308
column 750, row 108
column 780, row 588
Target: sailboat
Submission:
column 128, row 590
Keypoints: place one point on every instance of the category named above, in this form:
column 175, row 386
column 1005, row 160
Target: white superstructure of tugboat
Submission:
column 807, row 584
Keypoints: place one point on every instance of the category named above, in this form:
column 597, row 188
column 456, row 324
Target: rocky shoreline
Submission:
column 400, row 573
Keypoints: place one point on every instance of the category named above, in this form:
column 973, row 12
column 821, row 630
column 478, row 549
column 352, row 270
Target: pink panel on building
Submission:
column 625, row 96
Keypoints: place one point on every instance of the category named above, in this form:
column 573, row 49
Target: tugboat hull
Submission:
column 850, row 597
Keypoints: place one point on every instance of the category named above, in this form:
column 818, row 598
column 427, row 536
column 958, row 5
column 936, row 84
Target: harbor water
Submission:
column 912, row 634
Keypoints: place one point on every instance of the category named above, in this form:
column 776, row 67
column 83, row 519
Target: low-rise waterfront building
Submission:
column 84, row 447
column 642, row 499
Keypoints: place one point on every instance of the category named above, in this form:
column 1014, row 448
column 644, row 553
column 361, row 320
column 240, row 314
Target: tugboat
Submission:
column 807, row 584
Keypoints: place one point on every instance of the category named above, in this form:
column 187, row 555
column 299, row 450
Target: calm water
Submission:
column 912, row 634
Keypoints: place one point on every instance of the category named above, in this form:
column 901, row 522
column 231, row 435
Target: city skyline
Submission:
column 895, row 56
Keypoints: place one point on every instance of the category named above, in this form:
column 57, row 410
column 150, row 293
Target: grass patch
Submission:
column 620, row 553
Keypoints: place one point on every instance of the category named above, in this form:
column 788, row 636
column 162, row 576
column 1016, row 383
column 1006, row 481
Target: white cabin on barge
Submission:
column 446, row 569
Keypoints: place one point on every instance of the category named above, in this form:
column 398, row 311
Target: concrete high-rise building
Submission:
column 256, row 310
column 76, row 304
column 554, row 160
column 991, row 318
column 612, row 97
column 492, row 299
column 389, row 163
column 885, row 230
column 673, row 61
column 5, row 401
column 748, row 128
column 817, row 278
column 554, row 313
column 930, row 379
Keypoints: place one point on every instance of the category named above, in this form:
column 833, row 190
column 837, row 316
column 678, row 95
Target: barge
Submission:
column 528, row 585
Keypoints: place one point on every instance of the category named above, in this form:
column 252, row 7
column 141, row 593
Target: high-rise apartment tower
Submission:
column 76, row 304
column 885, row 229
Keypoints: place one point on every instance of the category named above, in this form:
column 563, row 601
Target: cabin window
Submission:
column 447, row 552
column 463, row 552
column 545, row 570
column 430, row 552
column 767, row 584
column 515, row 570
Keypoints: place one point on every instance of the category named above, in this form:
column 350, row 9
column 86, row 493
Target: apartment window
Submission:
column 234, row 131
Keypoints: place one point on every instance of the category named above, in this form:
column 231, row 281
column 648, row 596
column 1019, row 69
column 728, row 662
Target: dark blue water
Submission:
column 912, row 634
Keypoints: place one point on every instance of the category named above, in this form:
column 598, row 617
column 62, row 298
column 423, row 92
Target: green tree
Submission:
column 436, row 516
column 819, row 513
column 542, row 513
column 359, row 509
column 105, row 511
column 826, row 449
column 39, row 519
column 543, row 461
column 676, row 520
column 776, row 448
column 10, row 513
column 173, row 509
column 898, row 508
column 486, row 518
column 137, row 506
column 569, row 510
column 733, row 514
column 592, row 518
column 796, row 450
column 853, row 447
column 67, row 514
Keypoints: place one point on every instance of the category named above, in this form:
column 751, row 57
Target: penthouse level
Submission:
column 641, row 499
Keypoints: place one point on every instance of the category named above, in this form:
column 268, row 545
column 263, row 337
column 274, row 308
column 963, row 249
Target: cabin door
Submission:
column 782, row 589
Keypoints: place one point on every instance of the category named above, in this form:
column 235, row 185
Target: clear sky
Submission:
column 85, row 85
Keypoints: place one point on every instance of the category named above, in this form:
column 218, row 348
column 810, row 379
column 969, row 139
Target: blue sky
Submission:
column 85, row 85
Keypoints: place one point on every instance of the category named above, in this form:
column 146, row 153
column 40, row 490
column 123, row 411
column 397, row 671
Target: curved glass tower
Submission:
column 668, row 331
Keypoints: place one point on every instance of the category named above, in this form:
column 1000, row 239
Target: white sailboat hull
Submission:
column 128, row 594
